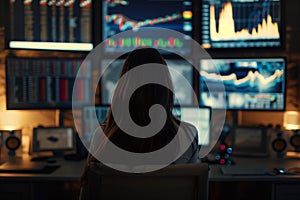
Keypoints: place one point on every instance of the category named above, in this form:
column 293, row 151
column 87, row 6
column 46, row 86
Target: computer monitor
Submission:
column 89, row 124
column 120, row 16
column 51, row 25
column 242, row 24
column 200, row 117
column 53, row 139
column 183, row 67
column 250, row 83
column 46, row 83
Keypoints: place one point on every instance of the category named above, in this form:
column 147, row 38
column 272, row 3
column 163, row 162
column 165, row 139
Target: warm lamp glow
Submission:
column 291, row 120
column 8, row 128
column 10, row 120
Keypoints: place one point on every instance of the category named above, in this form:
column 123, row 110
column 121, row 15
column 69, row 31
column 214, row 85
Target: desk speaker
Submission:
column 11, row 143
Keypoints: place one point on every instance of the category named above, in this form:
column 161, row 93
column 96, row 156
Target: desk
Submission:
column 255, row 187
column 63, row 183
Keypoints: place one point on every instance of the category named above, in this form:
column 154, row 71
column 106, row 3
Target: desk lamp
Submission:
column 291, row 122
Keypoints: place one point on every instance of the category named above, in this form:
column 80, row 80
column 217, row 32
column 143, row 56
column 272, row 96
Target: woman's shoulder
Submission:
column 188, row 126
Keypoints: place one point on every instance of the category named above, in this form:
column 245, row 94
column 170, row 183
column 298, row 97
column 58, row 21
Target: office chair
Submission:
column 176, row 182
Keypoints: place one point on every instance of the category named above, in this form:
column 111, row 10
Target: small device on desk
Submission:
column 244, row 171
column 250, row 141
column 10, row 144
column 57, row 140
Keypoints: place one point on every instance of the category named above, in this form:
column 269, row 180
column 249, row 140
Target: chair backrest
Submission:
column 176, row 182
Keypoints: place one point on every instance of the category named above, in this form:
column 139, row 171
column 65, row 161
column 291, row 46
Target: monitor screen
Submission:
column 199, row 117
column 53, row 139
column 241, row 23
column 119, row 16
column 111, row 75
column 51, row 25
column 89, row 124
column 46, row 83
column 250, row 84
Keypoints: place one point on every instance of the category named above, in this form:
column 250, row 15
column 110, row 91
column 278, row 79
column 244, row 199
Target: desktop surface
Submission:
column 72, row 170
column 68, row 171
column 15, row 166
column 267, row 164
column 220, row 185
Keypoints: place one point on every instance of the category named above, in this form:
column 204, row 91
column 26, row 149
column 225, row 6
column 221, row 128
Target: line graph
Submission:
column 253, row 79
column 126, row 23
column 133, row 15
column 266, row 30
column 241, row 24
column 115, row 2
column 257, row 83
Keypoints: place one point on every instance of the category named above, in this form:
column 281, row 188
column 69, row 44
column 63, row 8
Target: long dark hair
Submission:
column 140, row 102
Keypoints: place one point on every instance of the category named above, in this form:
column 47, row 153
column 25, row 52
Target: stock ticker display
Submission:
column 36, row 83
column 123, row 15
column 241, row 23
column 51, row 25
column 250, row 84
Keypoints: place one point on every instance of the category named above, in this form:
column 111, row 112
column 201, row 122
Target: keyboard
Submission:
column 244, row 171
column 27, row 167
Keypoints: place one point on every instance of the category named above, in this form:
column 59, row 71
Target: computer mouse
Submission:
column 279, row 171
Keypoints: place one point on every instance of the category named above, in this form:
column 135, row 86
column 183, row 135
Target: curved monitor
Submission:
column 250, row 83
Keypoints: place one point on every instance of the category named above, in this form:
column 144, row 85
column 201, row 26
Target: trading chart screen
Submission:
column 47, row 83
column 199, row 117
column 250, row 84
column 184, row 95
column 241, row 23
column 51, row 25
column 124, row 15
